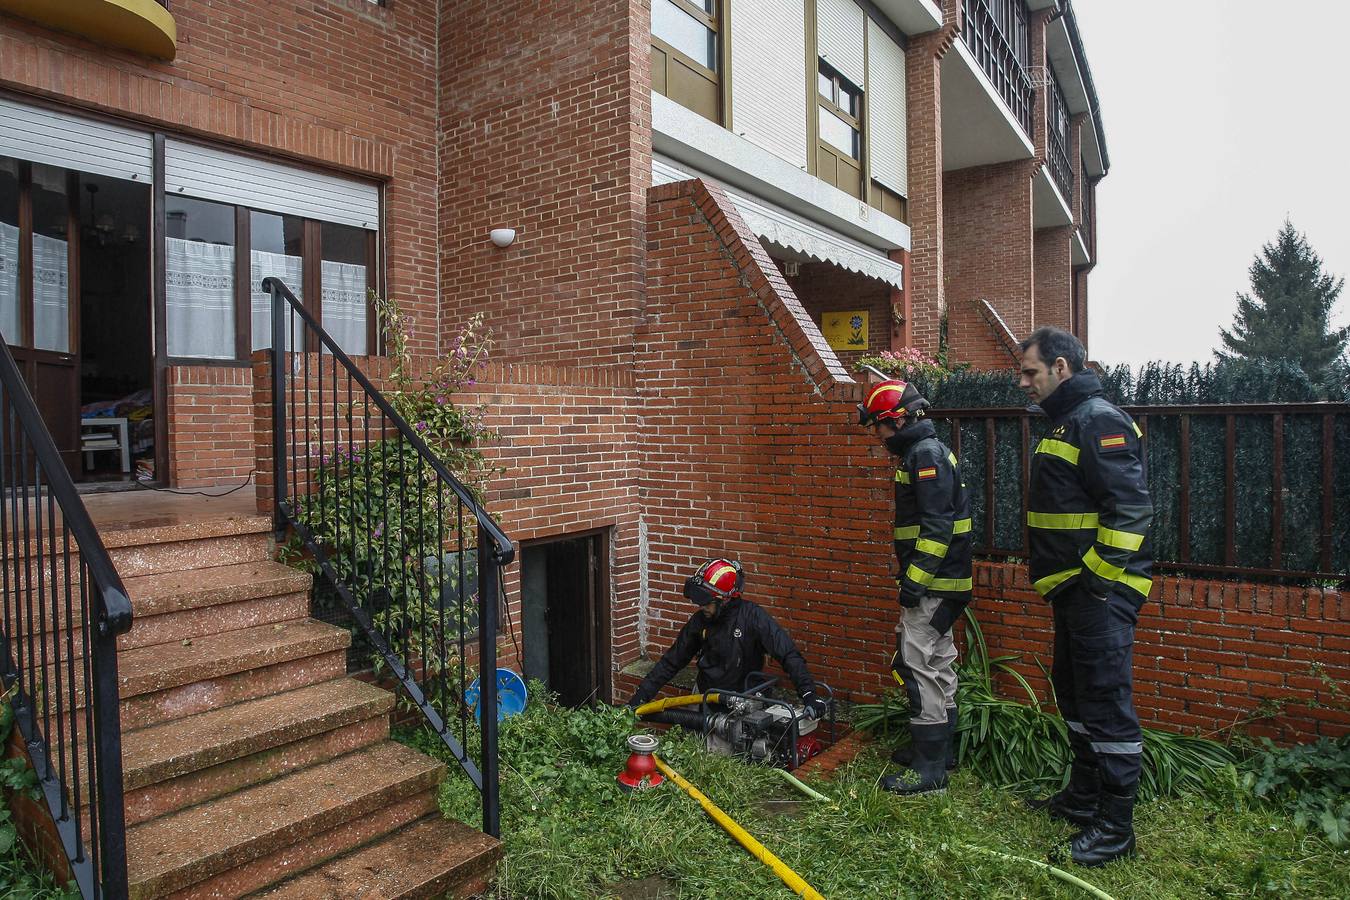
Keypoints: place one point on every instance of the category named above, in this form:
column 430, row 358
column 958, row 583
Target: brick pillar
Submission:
column 925, row 298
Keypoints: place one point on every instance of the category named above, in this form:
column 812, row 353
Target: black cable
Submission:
column 164, row 490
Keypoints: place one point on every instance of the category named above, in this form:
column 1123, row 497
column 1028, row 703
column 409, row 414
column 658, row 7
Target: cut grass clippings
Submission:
column 568, row 831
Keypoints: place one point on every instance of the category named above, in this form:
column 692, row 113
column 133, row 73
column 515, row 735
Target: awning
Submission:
column 794, row 235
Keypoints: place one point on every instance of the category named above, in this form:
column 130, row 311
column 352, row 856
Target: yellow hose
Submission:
column 656, row 706
column 757, row 850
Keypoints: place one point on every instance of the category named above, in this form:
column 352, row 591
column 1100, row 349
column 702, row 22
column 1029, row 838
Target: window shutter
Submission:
column 43, row 135
column 768, row 91
column 839, row 37
column 192, row 170
column 887, row 132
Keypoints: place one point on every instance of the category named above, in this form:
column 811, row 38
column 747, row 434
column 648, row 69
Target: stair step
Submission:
column 171, row 592
column 174, row 852
column 434, row 858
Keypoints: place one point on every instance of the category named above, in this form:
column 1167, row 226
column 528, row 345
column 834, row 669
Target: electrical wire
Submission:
column 165, row 490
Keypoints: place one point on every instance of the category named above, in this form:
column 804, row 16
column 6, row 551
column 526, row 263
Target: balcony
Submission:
column 987, row 94
column 141, row 26
column 1057, row 141
column 996, row 33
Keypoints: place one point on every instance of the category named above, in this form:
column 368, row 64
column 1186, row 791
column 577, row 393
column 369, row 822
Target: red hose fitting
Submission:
column 640, row 772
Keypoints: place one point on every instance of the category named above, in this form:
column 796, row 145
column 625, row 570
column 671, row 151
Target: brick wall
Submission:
column 546, row 128
column 1053, row 270
column 210, row 412
column 823, row 288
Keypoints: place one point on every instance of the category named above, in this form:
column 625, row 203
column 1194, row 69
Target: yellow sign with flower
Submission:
column 846, row 330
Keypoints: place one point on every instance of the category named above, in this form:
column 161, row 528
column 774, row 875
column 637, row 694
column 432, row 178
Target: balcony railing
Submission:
column 1057, row 140
column 996, row 33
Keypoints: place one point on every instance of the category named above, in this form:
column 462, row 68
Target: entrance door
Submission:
column 566, row 618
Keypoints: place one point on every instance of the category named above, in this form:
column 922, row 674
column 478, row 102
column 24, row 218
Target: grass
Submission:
column 570, row 833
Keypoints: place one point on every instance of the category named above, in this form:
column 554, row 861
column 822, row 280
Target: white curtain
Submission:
column 9, row 282
column 291, row 270
column 51, row 294
column 199, row 296
column 344, row 305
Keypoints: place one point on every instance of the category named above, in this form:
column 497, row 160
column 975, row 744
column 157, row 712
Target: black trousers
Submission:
column 1094, row 683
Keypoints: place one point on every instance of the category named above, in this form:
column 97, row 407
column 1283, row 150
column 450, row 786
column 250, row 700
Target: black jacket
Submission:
column 932, row 519
column 1088, row 507
column 728, row 649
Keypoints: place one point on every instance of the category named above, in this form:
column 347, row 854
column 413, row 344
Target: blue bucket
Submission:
column 511, row 695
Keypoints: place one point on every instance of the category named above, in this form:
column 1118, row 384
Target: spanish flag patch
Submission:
column 1111, row 441
column 930, row 472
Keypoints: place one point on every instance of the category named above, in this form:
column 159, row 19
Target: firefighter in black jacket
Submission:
column 933, row 549
column 730, row 636
column 1088, row 513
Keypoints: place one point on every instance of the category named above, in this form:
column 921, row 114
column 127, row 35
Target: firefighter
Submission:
column 730, row 636
column 1088, row 513
column 932, row 549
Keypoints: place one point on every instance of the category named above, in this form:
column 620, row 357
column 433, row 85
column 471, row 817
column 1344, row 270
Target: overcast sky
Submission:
column 1221, row 119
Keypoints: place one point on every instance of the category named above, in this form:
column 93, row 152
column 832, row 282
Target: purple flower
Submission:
column 421, row 426
column 471, row 380
column 460, row 353
column 379, row 530
column 441, row 401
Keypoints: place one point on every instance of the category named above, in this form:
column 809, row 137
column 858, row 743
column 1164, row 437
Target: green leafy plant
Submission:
column 1311, row 782
column 21, row 877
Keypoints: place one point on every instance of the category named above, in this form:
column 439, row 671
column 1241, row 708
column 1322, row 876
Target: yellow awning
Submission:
column 141, row 26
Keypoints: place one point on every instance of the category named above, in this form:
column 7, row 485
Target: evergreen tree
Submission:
column 1289, row 316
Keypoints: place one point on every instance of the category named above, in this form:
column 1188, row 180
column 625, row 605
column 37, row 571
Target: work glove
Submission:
column 816, row 705
column 633, row 703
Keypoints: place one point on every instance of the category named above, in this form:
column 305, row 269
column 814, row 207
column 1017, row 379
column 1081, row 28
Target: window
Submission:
column 51, row 259
column 343, row 279
column 839, row 144
column 685, row 54
column 11, row 325
column 199, row 278
column 276, row 249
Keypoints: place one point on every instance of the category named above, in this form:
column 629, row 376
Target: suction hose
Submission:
column 656, row 706
column 757, row 850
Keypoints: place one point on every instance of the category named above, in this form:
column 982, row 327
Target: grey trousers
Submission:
column 924, row 663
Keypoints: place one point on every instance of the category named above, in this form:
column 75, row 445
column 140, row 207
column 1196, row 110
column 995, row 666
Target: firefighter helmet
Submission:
column 891, row 399
column 716, row 579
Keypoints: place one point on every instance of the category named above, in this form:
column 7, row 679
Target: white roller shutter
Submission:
column 887, row 132
column 192, row 170
column 43, row 135
column 839, row 37
column 768, row 79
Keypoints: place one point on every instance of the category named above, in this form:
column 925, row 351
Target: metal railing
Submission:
column 64, row 607
column 1238, row 490
column 996, row 31
column 1057, row 139
column 398, row 537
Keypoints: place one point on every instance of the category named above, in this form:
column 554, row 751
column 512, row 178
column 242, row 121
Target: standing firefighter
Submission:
column 932, row 547
column 1088, row 512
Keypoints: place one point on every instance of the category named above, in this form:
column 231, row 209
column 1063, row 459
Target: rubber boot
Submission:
column 1077, row 803
column 904, row 756
column 1111, row 836
column 928, row 770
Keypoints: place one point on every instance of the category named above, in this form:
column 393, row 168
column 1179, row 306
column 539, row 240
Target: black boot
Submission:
column 929, row 763
column 904, row 756
column 1111, row 836
column 1077, row 803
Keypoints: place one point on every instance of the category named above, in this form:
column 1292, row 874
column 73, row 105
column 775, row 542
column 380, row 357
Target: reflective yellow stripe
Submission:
column 932, row 548
column 952, row 458
column 1137, row 432
column 961, row 526
column 952, row 584
column 1050, row 582
column 1062, row 521
column 907, row 532
column 1065, row 451
column 918, row 576
column 1121, row 540
column 902, row 476
column 1101, row 567
column 1137, row 583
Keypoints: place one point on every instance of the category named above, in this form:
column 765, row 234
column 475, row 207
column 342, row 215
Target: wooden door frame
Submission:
column 600, row 621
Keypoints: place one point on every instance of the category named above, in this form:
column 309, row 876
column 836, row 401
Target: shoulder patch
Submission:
column 927, row 472
column 1112, row 441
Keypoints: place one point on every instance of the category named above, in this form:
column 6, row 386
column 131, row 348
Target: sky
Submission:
column 1221, row 118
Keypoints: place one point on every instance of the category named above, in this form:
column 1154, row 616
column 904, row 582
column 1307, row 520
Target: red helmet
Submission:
column 716, row 579
column 892, row 399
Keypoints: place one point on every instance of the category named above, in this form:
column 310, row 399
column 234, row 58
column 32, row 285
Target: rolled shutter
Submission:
column 839, row 37
column 768, row 92
column 42, row 135
column 887, row 132
column 193, row 170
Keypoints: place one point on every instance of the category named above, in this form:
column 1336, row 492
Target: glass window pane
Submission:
column 825, row 86
column 276, row 249
column 199, row 278
column 848, row 99
column 838, row 133
column 683, row 32
column 343, row 283
column 10, row 324
column 51, row 259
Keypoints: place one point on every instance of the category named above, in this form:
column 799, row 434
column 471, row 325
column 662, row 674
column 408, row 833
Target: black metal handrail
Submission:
column 1185, row 442
column 997, row 33
column 64, row 607
column 393, row 531
column 1057, row 140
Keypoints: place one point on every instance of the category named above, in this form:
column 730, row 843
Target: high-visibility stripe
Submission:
column 932, row 548
column 1050, row 582
column 952, row 584
column 1105, row 570
column 902, row 476
column 906, row 532
column 1076, row 726
column 961, row 526
column 1137, row 431
column 1062, row 521
column 919, row 576
column 711, row 577
column 1121, row 540
column 1137, row 583
column 1065, row 451
column 951, row 457
column 1124, row 747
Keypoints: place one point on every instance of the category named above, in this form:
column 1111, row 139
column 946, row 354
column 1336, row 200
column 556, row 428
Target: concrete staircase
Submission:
column 252, row 764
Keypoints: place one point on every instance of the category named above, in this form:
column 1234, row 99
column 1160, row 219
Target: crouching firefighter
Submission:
column 933, row 549
column 730, row 636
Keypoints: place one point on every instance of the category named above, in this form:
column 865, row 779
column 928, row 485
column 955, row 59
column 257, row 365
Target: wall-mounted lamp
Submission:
column 503, row 237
